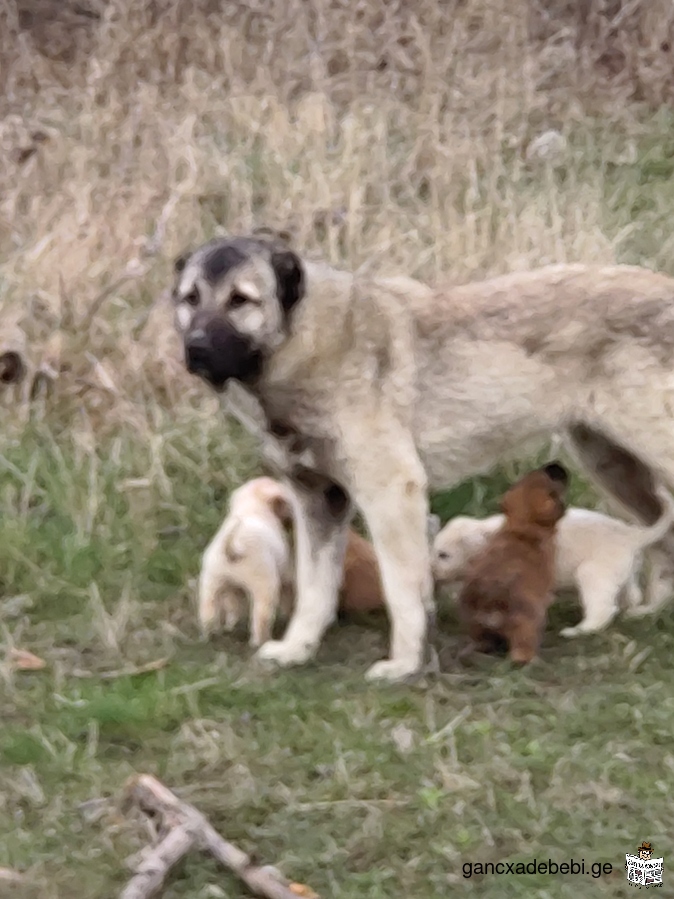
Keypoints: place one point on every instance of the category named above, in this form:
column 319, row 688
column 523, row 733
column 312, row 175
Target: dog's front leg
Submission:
column 323, row 512
column 395, row 506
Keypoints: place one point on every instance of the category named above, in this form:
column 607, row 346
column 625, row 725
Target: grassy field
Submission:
column 408, row 142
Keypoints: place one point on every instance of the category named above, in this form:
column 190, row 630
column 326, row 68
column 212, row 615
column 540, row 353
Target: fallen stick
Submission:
column 184, row 828
column 156, row 863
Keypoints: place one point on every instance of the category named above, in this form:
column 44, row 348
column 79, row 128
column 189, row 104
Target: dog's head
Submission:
column 537, row 499
column 459, row 540
column 233, row 300
column 264, row 493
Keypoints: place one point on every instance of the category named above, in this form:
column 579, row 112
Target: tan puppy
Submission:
column 509, row 582
column 361, row 589
column 250, row 558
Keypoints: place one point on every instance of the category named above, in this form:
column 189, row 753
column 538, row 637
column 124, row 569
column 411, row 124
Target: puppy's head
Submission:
column 537, row 499
column 264, row 492
column 233, row 300
column 456, row 543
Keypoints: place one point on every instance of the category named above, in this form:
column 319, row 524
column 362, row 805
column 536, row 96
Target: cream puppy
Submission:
column 249, row 558
column 597, row 555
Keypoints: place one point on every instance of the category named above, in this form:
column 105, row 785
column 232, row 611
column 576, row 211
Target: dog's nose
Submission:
column 197, row 338
column 197, row 349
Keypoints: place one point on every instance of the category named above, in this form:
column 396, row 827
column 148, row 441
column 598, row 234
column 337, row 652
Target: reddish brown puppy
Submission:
column 509, row 583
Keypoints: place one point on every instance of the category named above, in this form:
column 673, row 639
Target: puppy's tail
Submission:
column 657, row 531
column 233, row 551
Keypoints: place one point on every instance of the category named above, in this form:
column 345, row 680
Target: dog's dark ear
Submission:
column 556, row 472
column 180, row 262
column 264, row 232
column 289, row 278
column 12, row 367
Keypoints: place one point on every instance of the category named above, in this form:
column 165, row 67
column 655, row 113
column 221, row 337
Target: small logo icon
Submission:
column 642, row 869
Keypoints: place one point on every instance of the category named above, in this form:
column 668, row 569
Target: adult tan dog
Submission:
column 509, row 582
column 368, row 392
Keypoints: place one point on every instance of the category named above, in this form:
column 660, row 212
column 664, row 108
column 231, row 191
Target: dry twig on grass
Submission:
column 9, row 876
column 182, row 828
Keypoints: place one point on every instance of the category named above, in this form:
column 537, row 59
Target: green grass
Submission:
column 395, row 134
column 357, row 790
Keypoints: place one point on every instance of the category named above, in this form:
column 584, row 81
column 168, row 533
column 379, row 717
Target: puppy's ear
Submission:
column 180, row 262
column 289, row 278
column 556, row 472
column 282, row 509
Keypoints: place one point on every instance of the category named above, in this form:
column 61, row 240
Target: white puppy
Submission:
column 249, row 558
column 597, row 555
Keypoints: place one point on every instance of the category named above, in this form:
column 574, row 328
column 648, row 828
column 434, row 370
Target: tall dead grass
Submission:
column 388, row 131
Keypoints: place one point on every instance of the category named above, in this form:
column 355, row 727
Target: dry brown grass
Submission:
column 372, row 130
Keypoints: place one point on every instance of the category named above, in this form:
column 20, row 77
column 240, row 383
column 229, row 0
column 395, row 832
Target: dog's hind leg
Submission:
column 658, row 591
column 324, row 512
column 233, row 605
column 211, row 587
column 524, row 634
column 265, row 596
column 633, row 596
column 618, row 471
column 631, row 483
column 599, row 599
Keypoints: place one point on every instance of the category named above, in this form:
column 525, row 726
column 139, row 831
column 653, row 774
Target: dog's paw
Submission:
column 638, row 611
column 283, row 653
column 391, row 671
column 207, row 630
column 576, row 631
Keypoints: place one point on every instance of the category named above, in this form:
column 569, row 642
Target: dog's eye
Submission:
column 443, row 555
column 237, row 300
column 192, row 298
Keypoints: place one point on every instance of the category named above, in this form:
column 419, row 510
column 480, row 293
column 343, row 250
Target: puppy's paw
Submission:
column 392, row 671
column 576, row 631
column 638, row 611
column 284, row 654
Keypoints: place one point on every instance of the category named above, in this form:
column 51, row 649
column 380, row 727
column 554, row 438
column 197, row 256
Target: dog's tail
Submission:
column 232, row 549
column 659, row 529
